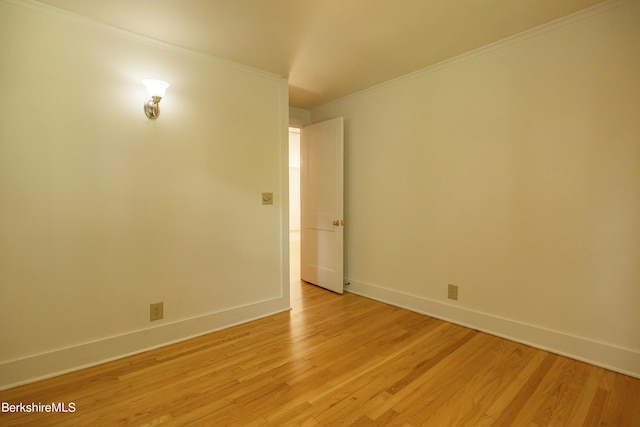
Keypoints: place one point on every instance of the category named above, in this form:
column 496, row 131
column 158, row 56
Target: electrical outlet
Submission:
column 156, row 311
column 453, row 292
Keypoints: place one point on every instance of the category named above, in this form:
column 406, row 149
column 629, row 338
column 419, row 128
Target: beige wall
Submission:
column 513, row 172
column 103, row 211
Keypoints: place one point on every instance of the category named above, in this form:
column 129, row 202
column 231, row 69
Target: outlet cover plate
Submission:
column 156, row 311
column 453, row 292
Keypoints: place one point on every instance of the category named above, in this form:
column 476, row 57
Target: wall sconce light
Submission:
column 156, row 90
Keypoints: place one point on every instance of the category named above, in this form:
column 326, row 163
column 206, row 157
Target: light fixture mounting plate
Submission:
column 152, row 107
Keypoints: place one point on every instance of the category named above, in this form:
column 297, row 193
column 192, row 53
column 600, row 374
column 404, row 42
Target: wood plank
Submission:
column 337, row 360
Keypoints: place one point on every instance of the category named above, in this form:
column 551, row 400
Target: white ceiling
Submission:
column 327, row 48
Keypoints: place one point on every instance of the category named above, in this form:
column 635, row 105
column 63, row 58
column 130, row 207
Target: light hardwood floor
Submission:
column 338, row 360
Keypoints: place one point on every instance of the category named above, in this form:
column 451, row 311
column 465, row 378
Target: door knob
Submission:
column 336, row 222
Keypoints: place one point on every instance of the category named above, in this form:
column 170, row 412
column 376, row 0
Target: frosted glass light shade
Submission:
column 155, row 87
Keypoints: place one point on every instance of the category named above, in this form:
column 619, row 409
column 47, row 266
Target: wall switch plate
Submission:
column 156, row 311
column 453, row 292
column 267, row 198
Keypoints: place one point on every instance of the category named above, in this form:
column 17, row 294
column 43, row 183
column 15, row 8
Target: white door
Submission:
column 321, row 199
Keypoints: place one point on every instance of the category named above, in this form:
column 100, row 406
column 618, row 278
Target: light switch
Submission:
column 267, row 198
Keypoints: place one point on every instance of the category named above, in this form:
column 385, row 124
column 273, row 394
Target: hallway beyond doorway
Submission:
column 294, row 266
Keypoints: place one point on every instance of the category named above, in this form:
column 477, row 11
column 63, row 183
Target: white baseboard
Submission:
column 607, row 356
column 57, row 362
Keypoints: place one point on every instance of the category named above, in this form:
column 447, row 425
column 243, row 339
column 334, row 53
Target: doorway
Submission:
column 294, row 210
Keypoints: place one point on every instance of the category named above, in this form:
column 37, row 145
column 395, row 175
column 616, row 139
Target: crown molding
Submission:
column 483, row 50
column 136, row 38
